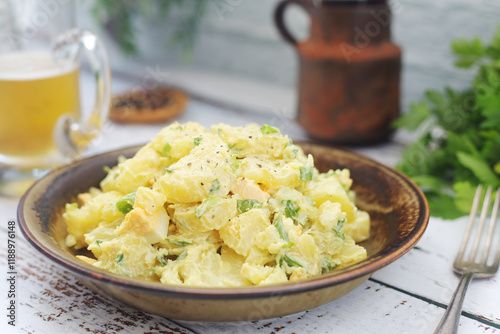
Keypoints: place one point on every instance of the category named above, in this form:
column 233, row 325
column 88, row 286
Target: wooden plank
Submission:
column 372, row 308
column 51, row 300
column 427, row 271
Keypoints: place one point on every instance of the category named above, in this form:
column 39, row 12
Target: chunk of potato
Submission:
column 141, row 171
column 216, row 216
column 328, row 188
column 205, row 171
column 84, row 219
column 128, row 255
column 239, row 233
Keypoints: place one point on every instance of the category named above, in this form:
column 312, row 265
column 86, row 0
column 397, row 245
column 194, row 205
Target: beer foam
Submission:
column 32, row 65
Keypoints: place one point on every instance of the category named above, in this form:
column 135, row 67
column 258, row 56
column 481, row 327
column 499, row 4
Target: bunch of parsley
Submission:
column 459, row 142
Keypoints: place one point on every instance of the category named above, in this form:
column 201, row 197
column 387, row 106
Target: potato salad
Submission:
column 225, row 207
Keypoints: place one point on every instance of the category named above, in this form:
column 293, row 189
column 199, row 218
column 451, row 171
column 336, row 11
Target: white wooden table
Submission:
column 408, row 296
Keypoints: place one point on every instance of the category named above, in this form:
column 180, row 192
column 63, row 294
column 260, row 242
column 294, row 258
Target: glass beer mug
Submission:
column 41, row 124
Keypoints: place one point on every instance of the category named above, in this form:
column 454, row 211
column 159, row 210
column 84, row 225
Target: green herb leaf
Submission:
column 182, row 256
column 215, row 187
column 245, row 205
column 338, row 228
column 291, row 262
column 327, row 265
column 206, row 205
column 278, row 223
column 126, row 203
column 162, row 260
column 179, row 243
column 306, row 173
column 291, row 210
column 169, row 170
column 479, row 168
column 166, row 149
column 419, row 112
column 197, row 141
column 119, row 258
column 267, row 129
column 234, row 162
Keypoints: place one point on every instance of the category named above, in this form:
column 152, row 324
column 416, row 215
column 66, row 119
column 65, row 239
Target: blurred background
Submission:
column 229, row 51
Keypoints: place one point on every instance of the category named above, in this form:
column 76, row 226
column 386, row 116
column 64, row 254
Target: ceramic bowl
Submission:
column 397, row 207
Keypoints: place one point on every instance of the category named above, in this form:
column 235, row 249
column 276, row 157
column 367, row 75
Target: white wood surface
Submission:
column 407, row 296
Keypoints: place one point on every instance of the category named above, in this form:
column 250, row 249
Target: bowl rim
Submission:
column 363, row 268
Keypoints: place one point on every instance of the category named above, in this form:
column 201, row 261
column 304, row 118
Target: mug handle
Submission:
column 279, row 13
column 73, row 133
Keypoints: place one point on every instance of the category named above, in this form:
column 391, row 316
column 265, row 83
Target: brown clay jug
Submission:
column 349, row 76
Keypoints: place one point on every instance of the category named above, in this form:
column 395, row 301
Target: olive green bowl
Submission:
column 397, row 207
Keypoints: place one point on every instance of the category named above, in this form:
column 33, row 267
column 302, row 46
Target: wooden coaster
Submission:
column 148, row 106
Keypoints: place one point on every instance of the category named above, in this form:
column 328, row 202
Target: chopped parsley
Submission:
column 338, row 228
column 215, row 187
column 327, row 265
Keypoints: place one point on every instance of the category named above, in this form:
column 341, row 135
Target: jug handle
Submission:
column 279, row 13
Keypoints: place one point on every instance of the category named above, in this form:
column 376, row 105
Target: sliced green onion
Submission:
column 206, row 205
column 126, row 203
column 119, row 258
column 245, row 205
column 162, row 260
column 267, row 129
column 278, row 223
column 179, row 243
column 166, row 149
column 182, row 256
column 291, row 210
column 197, row 141
column 291, row 262
column 234, row 162
column 327, row 265
column 306, row 173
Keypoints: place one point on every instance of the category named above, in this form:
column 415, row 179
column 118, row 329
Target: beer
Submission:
column 34, row 92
